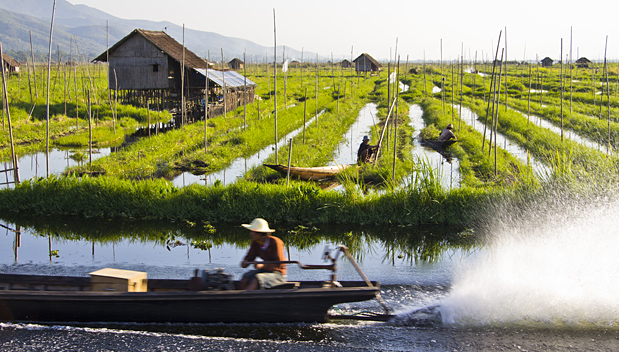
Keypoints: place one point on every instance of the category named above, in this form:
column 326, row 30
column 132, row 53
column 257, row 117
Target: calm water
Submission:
column 36, row 165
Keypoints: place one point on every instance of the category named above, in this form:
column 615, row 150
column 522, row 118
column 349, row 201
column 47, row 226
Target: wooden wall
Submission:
column 134, row 63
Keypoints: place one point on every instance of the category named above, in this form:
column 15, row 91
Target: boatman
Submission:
column 365, row 151
column 270, row 249
column 447, row 134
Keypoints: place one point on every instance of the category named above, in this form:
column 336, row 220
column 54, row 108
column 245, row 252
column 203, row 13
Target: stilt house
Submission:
column 345, row 64
column 10, row 64
column 583, row 62
column 148, row 66
column 366, row 63
column 547, row 62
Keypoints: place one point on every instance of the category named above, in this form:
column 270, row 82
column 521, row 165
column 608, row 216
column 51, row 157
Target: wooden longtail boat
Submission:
column 37, row 298
column 310, row 173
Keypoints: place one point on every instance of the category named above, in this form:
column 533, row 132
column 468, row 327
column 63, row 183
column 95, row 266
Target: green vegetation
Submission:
column 132, row 186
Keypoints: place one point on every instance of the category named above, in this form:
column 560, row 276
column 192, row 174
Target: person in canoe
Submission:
column 267, row 247
column 447, row 134
column 365, row 151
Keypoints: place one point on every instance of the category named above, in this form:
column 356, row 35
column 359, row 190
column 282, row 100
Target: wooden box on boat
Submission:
column 118, row 280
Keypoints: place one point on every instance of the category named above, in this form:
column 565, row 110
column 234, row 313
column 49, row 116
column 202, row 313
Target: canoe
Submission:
column 438, row 146
column 310, row 173
column 36, row 298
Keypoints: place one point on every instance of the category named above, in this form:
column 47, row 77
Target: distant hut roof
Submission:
column 10, row 61
column 583, row 60
column 547, row 59
column 165, row 43
column 235, row 61
column 233, row 79
column 367, row 56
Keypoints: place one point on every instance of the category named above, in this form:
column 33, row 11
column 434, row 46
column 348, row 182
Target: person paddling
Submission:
column 269, row 248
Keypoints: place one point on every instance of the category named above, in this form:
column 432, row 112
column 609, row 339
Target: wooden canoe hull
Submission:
column 310, row 173
column 309, row 303
column 439, row 146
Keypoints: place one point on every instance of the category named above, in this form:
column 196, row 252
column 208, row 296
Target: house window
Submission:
column 155, row 68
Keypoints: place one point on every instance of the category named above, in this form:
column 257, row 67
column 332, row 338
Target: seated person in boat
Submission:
column 269, row 248
column 447, row 134
column 365, row 151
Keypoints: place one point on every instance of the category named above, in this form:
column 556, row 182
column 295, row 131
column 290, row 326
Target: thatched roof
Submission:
column 583, row 60
column 10, row 61
column 235, row 61
column 163, row 42
column 368, row 57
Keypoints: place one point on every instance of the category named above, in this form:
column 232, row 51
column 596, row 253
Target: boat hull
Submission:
column 310, row 173
column 234, row 306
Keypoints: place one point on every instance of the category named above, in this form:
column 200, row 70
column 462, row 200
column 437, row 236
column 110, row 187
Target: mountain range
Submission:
column 93, row 30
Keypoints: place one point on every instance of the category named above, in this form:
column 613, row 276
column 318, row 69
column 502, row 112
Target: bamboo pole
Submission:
column 316, row 90
column 461, row 88
column 483, row 141
column 561, row 89
column 395, row 124
column 571, row 78
column 75, row 86
column 285, row 74
column 223, row 75
column 89, row 133
column 289, row 161
column 206, row 107
column 8, row 117
column 304, row 113
column 244, row 93
column 607, row 95
column 275, row 80
column 529, row 102
column 506, row 61
column 183, row 82
column 34, row 74
column 453, row 84
column 496, row 119
column 49, row 69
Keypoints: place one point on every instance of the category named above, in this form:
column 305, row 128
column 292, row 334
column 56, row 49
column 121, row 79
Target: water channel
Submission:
column 542, row 280
column 35, row 165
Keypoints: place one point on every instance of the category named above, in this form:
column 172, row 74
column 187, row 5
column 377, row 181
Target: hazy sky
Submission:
column 533, row 27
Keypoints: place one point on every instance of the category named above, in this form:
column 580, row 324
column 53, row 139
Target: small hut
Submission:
column 236, row 64
column 345, row 64
column 547, row 62
column 10, row 65
column 366, row 63
column 583, row 62
column 147, row 65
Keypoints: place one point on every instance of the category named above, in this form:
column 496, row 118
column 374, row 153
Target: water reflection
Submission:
column 186, row 246
column 35, row 165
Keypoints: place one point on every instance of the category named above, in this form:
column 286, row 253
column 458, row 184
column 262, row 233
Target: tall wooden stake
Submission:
column 49, row 70
column 275, row 80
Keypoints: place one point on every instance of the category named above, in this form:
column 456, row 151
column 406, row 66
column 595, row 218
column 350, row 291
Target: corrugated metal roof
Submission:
column 232, row 78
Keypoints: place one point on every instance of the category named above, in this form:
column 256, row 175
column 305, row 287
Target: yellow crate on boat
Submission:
column 118, row 280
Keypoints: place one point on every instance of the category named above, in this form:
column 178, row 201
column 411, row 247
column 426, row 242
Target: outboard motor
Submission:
column 217, row 280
